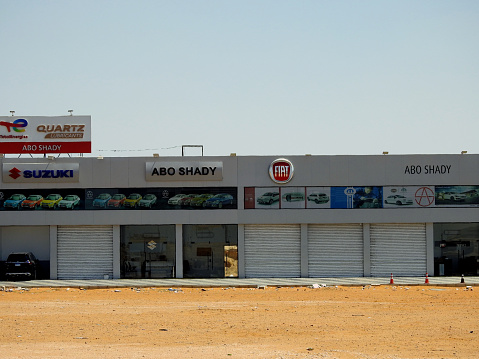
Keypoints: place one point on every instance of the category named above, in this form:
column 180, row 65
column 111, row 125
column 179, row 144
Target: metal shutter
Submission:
column 272, row 251
column 399, row 249
column 85, row 252
column 335, row 250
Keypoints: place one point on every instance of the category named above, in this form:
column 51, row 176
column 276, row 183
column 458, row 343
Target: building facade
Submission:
column 235, row 216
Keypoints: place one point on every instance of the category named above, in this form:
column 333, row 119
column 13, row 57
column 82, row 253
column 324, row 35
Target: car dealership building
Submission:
column 243, row 216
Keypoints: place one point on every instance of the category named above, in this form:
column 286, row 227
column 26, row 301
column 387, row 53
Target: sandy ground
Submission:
column 331, row 322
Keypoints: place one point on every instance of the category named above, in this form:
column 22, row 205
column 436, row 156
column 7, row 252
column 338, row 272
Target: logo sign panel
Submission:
column 281, row 170
column 40, row 172
column 41, row 134
column 184, row 171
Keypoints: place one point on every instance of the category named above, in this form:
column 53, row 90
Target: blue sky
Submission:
column 249, row 77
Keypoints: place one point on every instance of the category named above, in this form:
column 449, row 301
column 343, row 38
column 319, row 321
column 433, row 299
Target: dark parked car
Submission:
column 21, row 265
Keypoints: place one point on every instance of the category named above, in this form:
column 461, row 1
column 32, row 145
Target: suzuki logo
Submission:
column 14, row 173
column 281, row 170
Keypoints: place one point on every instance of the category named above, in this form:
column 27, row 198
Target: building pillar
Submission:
column 241, row 259
column 430, row 249
column 116, row 252
column 179, row 251
column 367, row 249
column 53, row 252
column 304, row 251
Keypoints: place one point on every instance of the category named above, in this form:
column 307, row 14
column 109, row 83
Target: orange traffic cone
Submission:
column 427, row 279
column 391, row 281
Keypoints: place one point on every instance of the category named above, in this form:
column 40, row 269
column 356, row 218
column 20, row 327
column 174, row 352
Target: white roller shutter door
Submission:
column 272, row 251
column 85, row 252
column 399, row 249
column 335, row 250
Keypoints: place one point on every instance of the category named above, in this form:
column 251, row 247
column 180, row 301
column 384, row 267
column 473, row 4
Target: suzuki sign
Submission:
column 40, row 172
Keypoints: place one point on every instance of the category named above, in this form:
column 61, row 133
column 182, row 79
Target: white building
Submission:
column 252, row 216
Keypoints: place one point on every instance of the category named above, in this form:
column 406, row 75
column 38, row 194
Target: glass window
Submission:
column 210, row 251
column 456, row 248
column 148, row 251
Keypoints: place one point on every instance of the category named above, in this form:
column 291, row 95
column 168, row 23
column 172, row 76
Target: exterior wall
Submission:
column 240, row 173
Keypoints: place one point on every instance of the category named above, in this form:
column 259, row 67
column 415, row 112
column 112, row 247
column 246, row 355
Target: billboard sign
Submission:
column 43, row 134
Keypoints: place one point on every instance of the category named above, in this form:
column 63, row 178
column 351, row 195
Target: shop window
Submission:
column 456, row 248
column 210, row 251
column 148, row 251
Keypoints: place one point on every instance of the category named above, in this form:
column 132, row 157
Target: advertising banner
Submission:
column 457, row 196
column 42, row 134
column 111, row 199
column 409, row 196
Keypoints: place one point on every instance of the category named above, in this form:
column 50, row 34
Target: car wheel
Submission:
column 398, row 203
column 220, row 205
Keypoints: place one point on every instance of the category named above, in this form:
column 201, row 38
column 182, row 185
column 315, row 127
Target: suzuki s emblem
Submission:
column 281, row 170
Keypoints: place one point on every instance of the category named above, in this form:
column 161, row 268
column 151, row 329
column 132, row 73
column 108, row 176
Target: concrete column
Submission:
column 367, row 249
column 241, row 259
column 179, row 251
column 430, row 248
column 116, row 252
column 53, row 253
column 304, row 251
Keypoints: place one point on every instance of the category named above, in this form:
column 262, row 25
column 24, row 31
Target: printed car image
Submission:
column 318, row 198
column 148, row 201
column 453, row 196
column 102, row 200
column 219, row 200
column 14, row 201
column 116, row 201
column 33, row 201
column 175, row 200
column 132, row 200
column 293, row 197
column 268, row 198
column 185, row 201
column 200, row 199
column 70, row 202
column 397, row 199
column 51, row 201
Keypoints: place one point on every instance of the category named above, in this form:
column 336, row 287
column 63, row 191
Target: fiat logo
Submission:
column 281, row 170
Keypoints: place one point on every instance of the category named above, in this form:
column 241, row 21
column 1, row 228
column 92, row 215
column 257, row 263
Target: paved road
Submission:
column 235, row 282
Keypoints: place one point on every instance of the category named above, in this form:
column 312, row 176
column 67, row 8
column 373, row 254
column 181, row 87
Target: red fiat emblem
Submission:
column 281, row 170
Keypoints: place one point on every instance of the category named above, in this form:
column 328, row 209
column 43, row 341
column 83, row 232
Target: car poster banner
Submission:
column 267, row 197
column 408, row 196
column 318, row 197
column 43, row 134
column 293, row 197
column 119, row 199
column 457, row 196
column 356, row 197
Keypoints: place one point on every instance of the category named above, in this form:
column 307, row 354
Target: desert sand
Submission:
column 267, row 322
